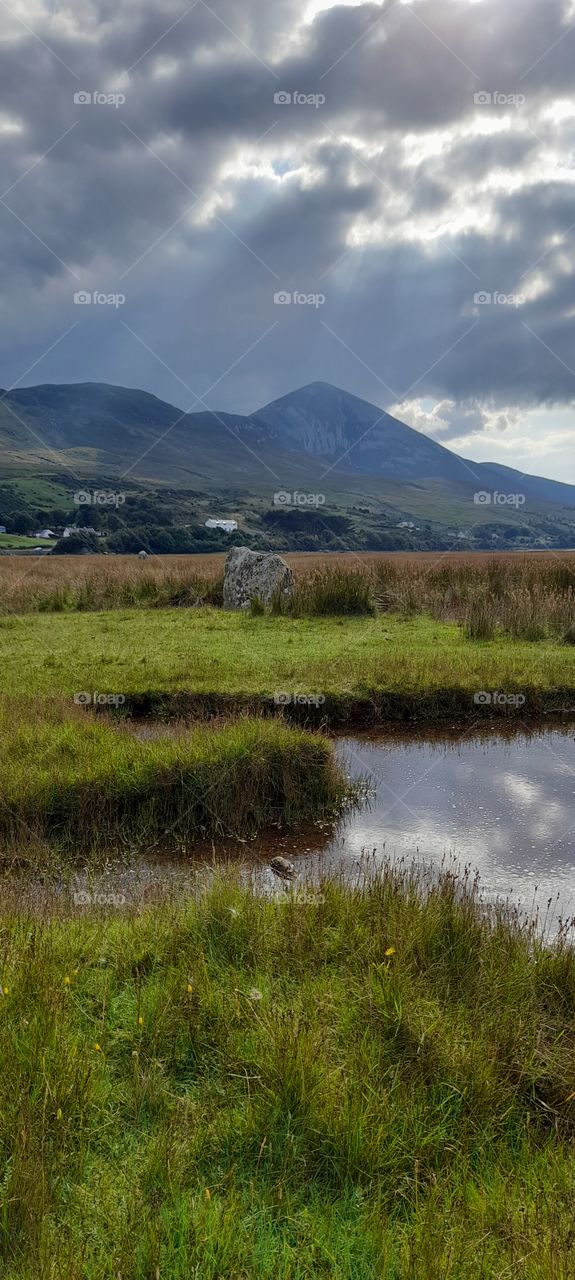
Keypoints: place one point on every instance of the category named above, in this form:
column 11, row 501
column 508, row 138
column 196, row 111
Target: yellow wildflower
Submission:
column 140, row 1021
column 189, row 988
column 207, row 1194
column 390, row 951
column 67, row 981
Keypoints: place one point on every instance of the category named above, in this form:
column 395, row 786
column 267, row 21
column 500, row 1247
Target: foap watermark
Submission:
column 297, row 299
column 485, row 299
column 485, row 499
column 303, row 897
column 95, row 699
column 498, row 699
column 484, row 98
column 97, row 98
column 282, row 699
column 285, row 98
column 84, row 898
column 95, row 298
column 296, row 499
column 99, row 498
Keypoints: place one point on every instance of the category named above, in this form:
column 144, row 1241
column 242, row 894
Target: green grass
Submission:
column 84, row 783
column 15, row 540
column 206, row 651
column 330, row 592
column 373, row 1085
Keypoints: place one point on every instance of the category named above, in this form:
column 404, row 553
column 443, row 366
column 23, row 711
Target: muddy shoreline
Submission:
column 360, row 711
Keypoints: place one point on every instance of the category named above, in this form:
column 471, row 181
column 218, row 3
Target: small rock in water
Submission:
column 282, row 867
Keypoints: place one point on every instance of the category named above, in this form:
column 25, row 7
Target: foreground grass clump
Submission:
column 364, row 1084
column 85, row 782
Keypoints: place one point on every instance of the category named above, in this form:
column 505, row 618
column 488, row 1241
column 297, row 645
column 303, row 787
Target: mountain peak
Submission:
column 318, row 385
column 329, row 422
column 314, row 389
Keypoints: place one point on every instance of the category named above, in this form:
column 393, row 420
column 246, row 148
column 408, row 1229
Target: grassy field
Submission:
column 136, row 653
column 15, row 541
column 372, row 1085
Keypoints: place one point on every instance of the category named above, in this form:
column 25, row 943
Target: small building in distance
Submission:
column 76, row 528
column 45, row 533
column 2, row 528
column 228, row 526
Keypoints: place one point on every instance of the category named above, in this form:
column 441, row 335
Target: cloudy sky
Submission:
column 404, row 169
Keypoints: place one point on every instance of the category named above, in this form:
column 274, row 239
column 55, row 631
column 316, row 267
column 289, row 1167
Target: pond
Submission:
column 502, row 803
column 499, row 801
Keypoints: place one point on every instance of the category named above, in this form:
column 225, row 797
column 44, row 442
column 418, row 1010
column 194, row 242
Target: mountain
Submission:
column 354, row 435
column 318, row 438
column 128, row 433
column 351, row 434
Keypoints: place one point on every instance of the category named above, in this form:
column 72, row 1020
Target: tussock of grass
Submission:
column 374, row 1084
column 330, row 592
column 84, row 782
column 479, row 621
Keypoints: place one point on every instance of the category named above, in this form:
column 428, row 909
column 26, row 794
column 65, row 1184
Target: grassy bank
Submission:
column 365, row 1086
column 85, row 783
column 390, row 666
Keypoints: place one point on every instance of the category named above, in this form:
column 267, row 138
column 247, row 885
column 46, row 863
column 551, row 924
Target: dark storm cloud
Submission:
column 398, row 198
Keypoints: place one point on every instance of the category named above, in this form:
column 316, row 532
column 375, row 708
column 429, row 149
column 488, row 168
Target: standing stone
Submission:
column 253, row 575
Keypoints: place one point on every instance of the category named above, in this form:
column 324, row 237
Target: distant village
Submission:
column 49, row 536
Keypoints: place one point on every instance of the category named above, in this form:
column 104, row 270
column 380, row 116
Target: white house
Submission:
column 229, row 526
column 45, row 533
column 76, row 528
column 2, row 528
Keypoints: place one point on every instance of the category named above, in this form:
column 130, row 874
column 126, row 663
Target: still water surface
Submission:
column 502, row 804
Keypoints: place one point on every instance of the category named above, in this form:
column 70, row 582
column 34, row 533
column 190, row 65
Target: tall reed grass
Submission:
column 81, row 583
column 330, row 592
column 527, row 597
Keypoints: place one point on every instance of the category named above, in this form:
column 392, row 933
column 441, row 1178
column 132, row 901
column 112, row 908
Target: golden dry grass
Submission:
column 26, row 581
